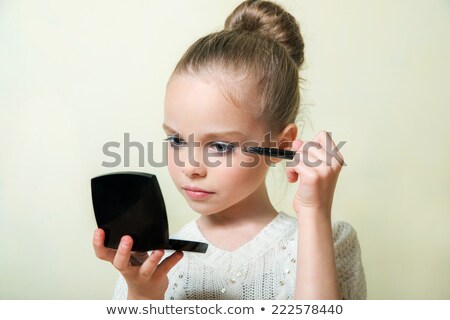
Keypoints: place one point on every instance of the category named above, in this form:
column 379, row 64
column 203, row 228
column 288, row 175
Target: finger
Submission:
column 138, row 258
column 301, row 162
column 308, row 154
column 324, row 138
column 307, row 151
column 296, row 145
column 291, row 173
column 122, row 257
column 150, row 265
column 336, row 162
column 293, row 168
column 320, row 158
column 314, row 154
column 312, row 145
column 302, row 148
column 100, row 250
column 168, row 263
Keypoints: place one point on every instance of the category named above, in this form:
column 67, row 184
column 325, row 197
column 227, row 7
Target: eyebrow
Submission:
column 212, row 135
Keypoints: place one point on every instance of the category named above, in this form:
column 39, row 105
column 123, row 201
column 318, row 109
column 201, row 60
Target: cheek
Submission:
column 243, row 172
column 171, row 166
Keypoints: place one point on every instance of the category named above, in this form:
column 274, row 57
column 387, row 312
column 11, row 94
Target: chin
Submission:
column 203, row 211
column 203, row 208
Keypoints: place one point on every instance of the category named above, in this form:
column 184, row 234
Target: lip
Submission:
column 194, row 188
column 196, row 193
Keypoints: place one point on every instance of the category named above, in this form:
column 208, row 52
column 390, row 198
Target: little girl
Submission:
column 230, row 88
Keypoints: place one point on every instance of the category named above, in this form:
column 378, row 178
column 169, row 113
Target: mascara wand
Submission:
column 270, row 152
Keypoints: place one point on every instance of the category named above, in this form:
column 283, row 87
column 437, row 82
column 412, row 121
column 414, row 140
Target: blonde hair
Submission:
column 261, row 42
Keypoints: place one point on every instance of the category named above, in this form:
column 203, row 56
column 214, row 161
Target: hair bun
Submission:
column 270, row 20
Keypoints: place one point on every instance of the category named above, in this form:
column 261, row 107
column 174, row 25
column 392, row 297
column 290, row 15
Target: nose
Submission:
column 193, row 163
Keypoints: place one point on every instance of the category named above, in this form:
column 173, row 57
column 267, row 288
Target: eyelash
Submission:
column 176, row 143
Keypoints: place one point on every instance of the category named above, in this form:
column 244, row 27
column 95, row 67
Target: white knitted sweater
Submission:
column 263, row 268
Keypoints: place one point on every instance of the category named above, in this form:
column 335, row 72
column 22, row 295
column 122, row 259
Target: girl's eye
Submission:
column 175, row 141
column 222, row 147
column 218, row 147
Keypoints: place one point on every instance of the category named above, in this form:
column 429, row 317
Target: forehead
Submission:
column 199, row 105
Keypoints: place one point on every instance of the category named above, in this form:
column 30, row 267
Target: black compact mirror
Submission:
column 131, row 203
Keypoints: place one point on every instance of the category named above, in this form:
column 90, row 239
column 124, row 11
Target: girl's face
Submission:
column 205, row 131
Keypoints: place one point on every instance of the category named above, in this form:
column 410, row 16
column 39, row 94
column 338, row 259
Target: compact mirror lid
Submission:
column 131, row 203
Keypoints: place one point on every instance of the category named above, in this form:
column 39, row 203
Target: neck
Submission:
column 240, row 223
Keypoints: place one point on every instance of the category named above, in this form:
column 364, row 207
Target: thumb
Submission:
column 170, row 262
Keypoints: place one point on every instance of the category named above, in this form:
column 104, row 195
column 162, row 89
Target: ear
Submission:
column 285, row 138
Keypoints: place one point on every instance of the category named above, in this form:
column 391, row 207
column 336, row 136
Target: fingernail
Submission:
column 125, row 243
column 97, row 234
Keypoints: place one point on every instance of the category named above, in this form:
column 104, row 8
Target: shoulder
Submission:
column 343, row 232
column 346, row 243
column 349, row 266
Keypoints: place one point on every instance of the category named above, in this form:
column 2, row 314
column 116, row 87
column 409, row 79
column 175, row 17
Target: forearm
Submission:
column 316, row 267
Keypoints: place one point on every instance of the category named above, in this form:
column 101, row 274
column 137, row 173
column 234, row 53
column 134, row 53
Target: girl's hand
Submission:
column 147, row 281
column 317, row 177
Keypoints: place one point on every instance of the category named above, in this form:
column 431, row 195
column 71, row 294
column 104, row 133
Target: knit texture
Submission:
column 263, row 268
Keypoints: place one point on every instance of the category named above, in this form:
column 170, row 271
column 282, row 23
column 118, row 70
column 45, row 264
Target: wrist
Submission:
column 313, row 215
